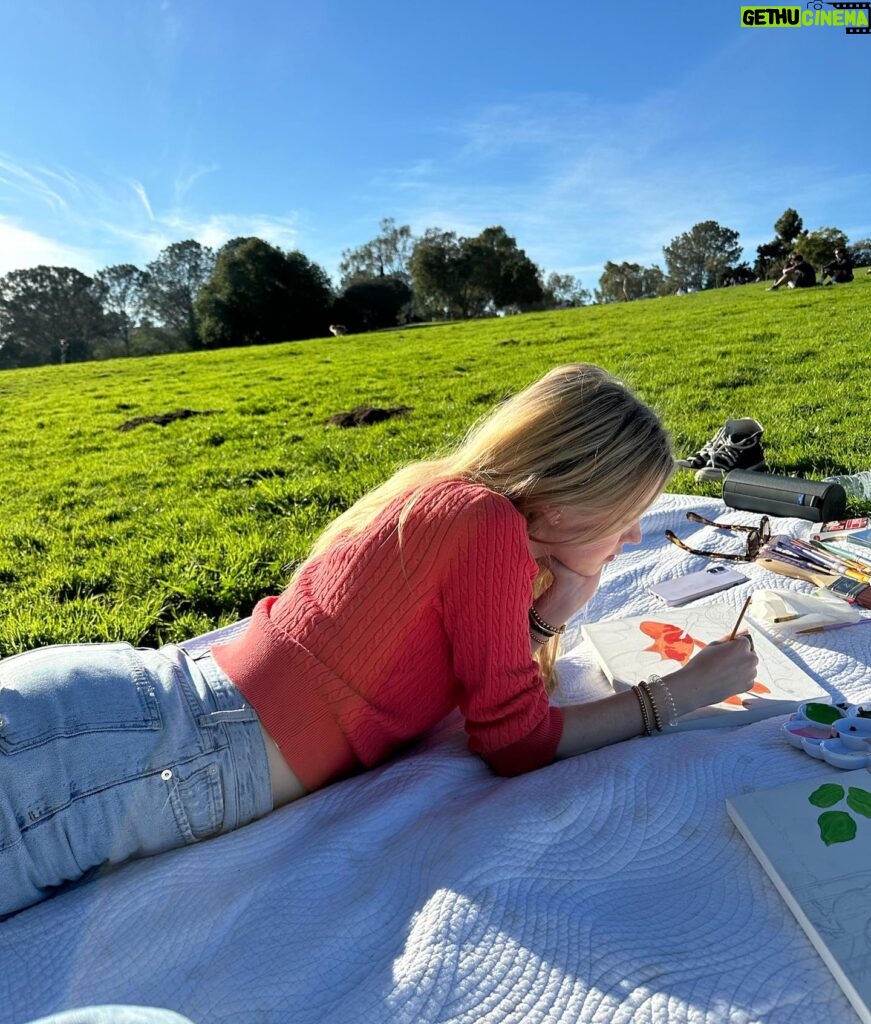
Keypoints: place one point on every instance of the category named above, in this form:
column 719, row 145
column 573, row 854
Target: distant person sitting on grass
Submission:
column 797, row 273
column 446, row 587
column 840, row 270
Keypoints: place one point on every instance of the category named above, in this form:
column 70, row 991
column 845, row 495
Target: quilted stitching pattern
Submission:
column 607, row 888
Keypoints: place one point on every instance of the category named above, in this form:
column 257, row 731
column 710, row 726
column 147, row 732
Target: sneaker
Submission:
column 737, row 446
column 703, row 456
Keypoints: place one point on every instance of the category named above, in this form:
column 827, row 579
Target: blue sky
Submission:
column 589, row 131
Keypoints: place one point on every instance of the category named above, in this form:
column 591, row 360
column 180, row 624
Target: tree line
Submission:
column 710, row 256
column 250, row 292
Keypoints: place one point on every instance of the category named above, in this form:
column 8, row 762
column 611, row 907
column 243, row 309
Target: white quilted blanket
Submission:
column 611, row 887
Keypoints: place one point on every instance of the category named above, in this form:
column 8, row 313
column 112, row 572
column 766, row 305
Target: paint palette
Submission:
column 839, row 734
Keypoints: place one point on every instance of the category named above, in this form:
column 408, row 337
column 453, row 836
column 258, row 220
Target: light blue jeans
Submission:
column 109, row 752
column 115, row 1015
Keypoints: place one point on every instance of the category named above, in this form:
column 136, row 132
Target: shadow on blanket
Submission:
column 611, row 887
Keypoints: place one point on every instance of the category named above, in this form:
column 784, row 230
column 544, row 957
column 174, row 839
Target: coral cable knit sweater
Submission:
column 372, row 645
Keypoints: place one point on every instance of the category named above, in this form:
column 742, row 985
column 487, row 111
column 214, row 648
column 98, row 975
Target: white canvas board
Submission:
column 823, row 872
column 629, row 649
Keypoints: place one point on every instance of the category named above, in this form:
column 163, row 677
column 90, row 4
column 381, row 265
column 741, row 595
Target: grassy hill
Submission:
column 158, row 532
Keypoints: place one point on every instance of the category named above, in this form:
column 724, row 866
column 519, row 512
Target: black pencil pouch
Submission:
column 784, row 495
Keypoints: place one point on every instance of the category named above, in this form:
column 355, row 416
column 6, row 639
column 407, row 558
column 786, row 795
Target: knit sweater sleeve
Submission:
column 486, row 606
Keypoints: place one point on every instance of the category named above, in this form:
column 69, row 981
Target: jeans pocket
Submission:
column 196, row 796
column 71, row 690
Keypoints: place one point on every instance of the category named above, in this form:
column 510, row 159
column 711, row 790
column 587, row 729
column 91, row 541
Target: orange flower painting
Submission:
column 673, row 643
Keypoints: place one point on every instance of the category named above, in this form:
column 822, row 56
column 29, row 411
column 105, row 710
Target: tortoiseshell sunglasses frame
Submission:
column 757, row 537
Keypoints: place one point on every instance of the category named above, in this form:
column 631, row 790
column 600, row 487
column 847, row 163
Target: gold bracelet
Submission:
column 644, row 715
column 656, row 719
column 544, row 627
column 536, row 638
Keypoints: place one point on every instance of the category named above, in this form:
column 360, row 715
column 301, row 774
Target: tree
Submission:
column 465, row 277
column 435, row 272
column 818, row 247
column 499, row 275
column 742, row 274
column 771, row 256
column 788, row 227
column 49, row 315
column 860, row 252
column 563, row 291
column 124, row 288
column 369, row 305
column 387, row 255
column 625, row 282
column 259, row 294
column 174, row 281
column 702, row 257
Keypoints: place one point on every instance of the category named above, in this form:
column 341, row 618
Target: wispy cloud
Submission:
column 139, row 189
column 186, row 180
column 33, row 183
column 93, row 223
column 580, row 179
column 213, row 230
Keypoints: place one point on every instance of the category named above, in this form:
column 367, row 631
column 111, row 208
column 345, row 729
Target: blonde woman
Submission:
column 447, row 587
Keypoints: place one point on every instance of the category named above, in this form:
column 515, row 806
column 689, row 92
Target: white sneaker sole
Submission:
column 711, row 473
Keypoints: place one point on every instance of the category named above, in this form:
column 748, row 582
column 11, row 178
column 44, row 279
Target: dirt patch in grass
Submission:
column 163, row 419
column 363, row 415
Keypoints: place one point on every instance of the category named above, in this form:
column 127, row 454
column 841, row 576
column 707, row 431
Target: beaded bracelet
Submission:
column 542, row 626
column 667, row 698
column 537, row 638
column 657, row 721
column 645, row 717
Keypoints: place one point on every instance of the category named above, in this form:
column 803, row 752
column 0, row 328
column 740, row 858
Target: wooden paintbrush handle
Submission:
column 850, row 591
column 821, row 579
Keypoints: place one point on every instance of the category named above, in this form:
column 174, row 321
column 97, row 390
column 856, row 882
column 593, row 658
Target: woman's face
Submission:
column 557, row 536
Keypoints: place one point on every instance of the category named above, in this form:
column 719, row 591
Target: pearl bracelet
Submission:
column 654, row 681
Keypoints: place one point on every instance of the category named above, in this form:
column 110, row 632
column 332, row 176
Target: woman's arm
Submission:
column 722, row 669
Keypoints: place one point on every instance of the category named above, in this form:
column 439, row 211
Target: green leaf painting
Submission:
column 826, row 795
column 859, row 800
column 836, row 827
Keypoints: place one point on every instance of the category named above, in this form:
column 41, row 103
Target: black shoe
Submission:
column 736, row 446
column 703, row 456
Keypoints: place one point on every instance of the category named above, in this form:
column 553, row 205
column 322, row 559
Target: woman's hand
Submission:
column 567, row 594
column 722, row 669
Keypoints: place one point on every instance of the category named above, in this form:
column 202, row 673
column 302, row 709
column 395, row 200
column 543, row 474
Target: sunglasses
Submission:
column 757, row 536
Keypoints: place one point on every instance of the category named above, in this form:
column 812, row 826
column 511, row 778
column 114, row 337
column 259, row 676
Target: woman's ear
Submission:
column 540, row 528
column 551, row 515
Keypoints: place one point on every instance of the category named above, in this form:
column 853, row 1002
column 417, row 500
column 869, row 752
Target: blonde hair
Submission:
column 576, row 438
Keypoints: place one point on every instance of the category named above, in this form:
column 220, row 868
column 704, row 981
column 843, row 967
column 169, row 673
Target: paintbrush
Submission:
column 740, row 617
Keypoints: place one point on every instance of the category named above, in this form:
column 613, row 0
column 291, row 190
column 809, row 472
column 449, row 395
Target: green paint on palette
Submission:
column 823, row 713
column 836, row 827
column 826, row 795
column 859, row 800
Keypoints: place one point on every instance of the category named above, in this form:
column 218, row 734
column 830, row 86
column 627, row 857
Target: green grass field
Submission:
column 161, row 532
